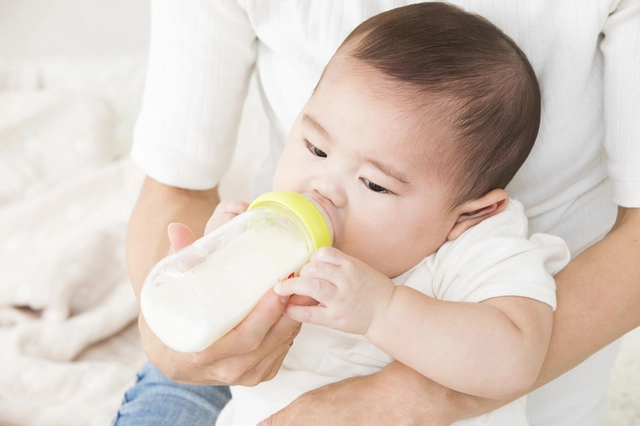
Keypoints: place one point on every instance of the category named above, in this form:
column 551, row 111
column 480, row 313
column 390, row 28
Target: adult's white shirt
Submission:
column 586, row 160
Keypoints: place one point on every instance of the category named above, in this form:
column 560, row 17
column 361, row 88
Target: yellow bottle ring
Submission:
column 312, row 218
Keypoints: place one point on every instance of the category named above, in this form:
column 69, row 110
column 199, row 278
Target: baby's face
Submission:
column 351, row 150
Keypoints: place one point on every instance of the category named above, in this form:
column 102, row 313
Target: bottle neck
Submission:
column 324, row 215
column 307, row 211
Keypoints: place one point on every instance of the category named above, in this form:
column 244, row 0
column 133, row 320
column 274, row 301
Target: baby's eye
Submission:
column 315, row 151
column 375, row 187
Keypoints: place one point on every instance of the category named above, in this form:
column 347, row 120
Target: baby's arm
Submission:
column 492, row 349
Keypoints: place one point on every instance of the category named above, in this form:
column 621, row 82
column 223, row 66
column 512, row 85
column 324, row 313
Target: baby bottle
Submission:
column 195, row 296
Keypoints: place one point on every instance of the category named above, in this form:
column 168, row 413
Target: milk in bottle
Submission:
column 195, row 296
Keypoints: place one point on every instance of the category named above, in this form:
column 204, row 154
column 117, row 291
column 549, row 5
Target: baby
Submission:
column 418, row 123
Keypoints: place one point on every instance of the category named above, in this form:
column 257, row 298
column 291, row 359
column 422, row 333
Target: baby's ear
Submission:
column 475, row 211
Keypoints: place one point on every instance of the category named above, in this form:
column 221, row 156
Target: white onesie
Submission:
column 492, row 259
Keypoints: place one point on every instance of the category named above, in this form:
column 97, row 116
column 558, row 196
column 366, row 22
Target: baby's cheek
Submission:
column 368, row 252
column 390, row 256
column 286, row 178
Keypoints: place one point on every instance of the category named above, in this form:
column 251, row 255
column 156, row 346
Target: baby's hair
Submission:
column 440, row 50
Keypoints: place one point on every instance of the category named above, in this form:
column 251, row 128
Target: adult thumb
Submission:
column 180, row 236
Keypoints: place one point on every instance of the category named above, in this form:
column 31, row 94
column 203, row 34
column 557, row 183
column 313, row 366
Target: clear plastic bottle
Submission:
column 195, row 296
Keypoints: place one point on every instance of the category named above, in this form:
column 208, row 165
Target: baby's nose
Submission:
column 331, row 188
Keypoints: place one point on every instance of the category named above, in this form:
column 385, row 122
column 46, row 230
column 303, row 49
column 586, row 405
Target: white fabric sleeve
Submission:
column 496, row 258
column 621, row 50
column 201, row 57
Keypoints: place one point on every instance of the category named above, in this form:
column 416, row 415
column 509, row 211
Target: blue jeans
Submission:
column 155, row 400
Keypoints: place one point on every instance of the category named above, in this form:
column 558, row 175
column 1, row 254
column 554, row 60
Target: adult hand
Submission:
column 396, row 395
column 249, row 354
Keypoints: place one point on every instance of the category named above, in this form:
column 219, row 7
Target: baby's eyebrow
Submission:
column 396, row 174
column 309, row 120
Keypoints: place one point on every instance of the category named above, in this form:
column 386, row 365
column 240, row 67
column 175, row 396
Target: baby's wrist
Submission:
column 379, row 323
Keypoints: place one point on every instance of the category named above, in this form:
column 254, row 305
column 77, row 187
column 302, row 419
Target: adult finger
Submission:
column 249, row 334
column 251, row 368
column 318, row 315
column 275, row 366
column 268, row 366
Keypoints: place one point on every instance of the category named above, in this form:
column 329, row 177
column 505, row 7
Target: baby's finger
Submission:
column 217, row 221
column 323, row 271
column 329, row 255
column 224, row 212
column 317, row 289
column 236, row 206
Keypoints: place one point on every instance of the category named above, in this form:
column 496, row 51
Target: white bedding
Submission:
column 69, row 346
column 63, row 281
column 68, row 340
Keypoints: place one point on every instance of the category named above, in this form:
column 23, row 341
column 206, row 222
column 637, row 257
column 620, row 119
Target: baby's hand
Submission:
column 180, row 235
column 224, row 212
column 350, row 293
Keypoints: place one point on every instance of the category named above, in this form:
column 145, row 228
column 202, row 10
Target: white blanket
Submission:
column 68, row 341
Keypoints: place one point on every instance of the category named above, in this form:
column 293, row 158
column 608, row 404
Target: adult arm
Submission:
column 598, row 302
column 201, row 56
column 157, row 206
